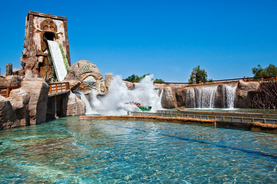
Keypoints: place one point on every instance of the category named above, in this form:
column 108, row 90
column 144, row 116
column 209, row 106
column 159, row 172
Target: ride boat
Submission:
column 147, row 108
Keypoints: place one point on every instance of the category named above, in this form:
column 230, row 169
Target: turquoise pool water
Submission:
column 72, row 151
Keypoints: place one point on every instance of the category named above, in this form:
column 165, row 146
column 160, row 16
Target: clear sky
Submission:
column 164, row 38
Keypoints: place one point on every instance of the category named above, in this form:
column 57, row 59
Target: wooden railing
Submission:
column 58, row 87
column 5, row 91
column 53, row 88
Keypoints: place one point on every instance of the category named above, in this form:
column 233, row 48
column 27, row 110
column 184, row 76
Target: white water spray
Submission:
column 116, row 102
column 88, row 107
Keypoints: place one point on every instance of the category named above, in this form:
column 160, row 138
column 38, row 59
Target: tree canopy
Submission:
column 201, row 75
column 136, row 78
column 261, row 72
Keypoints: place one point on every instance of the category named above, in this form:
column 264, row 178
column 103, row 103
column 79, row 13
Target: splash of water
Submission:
column 116, row 102
column 88, row 107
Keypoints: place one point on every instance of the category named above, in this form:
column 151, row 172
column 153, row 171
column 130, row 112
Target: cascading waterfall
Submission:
column 229, row 93
column 88, row 107
column 190, row 97
column 204, row 96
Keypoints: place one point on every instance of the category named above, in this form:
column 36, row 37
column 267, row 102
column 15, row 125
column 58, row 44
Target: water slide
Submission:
column 57, row 59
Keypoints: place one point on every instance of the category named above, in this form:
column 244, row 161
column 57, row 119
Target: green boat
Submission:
column 148, row 108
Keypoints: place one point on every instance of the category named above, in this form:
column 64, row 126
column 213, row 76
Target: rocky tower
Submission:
column 41, row 27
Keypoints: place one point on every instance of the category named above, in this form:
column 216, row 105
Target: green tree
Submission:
column 268, row 71
column 136, row 78
column 159, row 80
column 201, row 75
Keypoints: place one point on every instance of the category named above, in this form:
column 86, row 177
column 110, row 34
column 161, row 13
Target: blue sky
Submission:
column 165, row 38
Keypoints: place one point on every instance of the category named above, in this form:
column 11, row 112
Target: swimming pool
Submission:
column 112, row 151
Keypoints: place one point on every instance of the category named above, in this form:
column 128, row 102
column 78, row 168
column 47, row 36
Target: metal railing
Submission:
column 223, row 117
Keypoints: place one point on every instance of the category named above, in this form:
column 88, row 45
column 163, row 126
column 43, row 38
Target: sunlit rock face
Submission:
column 89, row 75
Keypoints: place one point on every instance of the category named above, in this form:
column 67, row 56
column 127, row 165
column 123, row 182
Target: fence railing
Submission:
column 53, row 88
column 223, row 117
column 58, row 87
column 246, row 79
column 5, row 91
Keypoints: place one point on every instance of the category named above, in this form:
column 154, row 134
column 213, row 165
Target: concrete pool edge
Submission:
column 253, row 126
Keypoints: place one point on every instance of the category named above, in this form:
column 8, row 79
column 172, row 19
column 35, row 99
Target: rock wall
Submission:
column 243, row 93
column 89, row 76
column 265, row 97
column 169, row 99
column 38, row 91
column 75, row 106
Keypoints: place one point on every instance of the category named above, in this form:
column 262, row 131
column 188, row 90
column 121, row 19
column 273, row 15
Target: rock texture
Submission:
column 84, row 71
column 7, row 119
column 75, row 106
column 11, row 80
column 180, row 94
column 38, row 91
column 243, row 94
column 129, row 85
column 19, row 100
column 168, row 98
column 265, row 97
column 108, row 79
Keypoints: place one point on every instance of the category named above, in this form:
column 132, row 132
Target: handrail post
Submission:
column 56, row 87
column 262, row 79
column 50, row 91
column 276, row 78
column 61, row 86
column 8, row 92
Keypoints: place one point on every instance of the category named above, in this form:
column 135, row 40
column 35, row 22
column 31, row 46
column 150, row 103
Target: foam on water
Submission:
column 115, row 102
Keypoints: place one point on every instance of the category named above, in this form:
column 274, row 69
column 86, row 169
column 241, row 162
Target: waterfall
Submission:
column 190, row 97
column 229, row 93
column 84, row 99
column 205, row 96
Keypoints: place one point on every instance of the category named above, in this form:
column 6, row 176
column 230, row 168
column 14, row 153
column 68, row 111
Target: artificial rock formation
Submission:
column 265, row 97
column 169, row 99
column 89, row 75
column 40, row 28
column 243, row 94
column 6, row 114
column 75, row 106
column 108, row 79
column 38, row 91
column 11, row 80
column 19, row 100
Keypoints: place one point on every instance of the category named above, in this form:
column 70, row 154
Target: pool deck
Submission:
column 254, row 126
